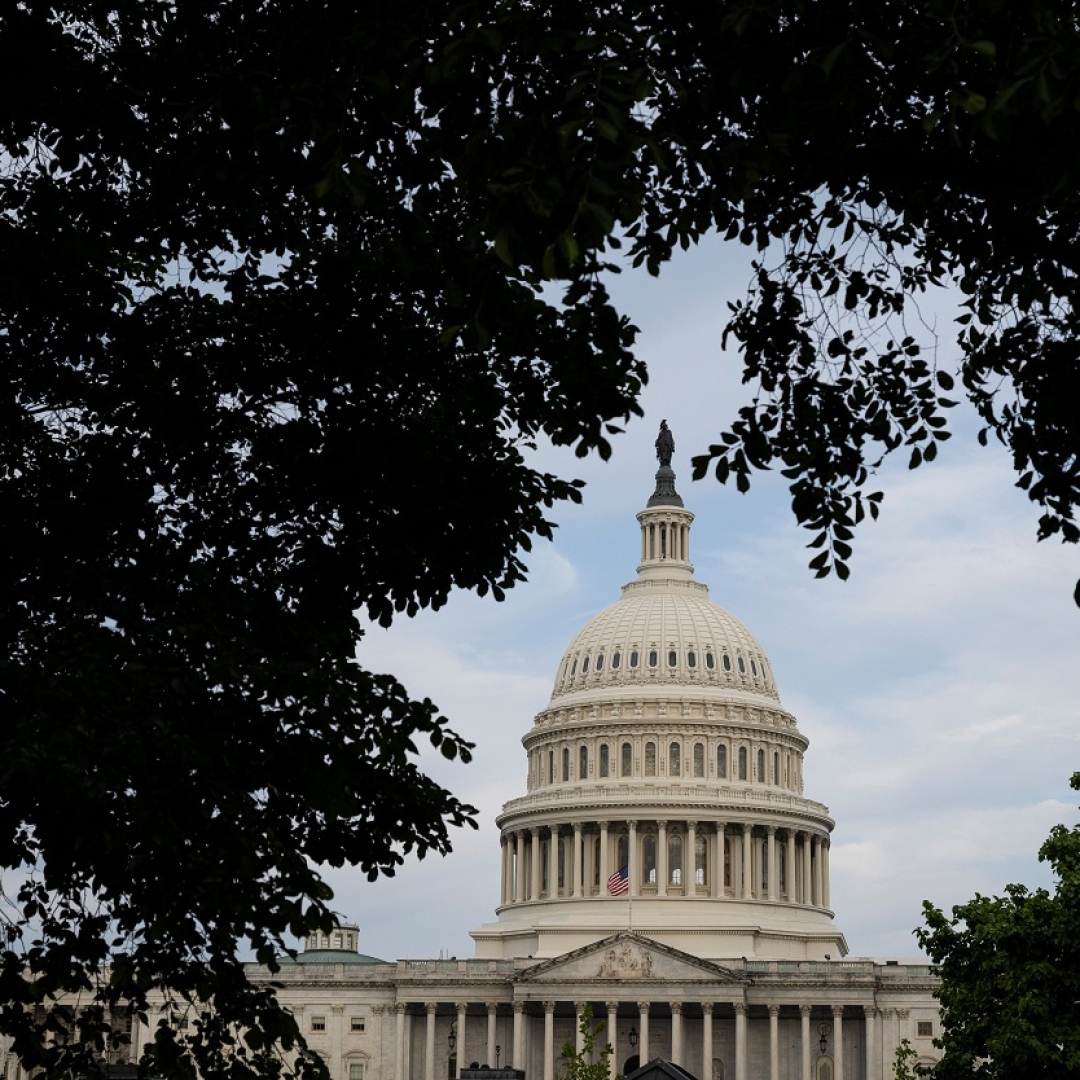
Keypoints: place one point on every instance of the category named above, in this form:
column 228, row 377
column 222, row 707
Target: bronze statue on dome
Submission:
column 665, row 445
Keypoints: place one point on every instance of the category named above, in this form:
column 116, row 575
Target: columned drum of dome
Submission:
column 665, row 784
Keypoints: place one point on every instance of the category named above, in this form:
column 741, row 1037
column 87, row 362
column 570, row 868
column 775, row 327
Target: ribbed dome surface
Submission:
column 665, row 633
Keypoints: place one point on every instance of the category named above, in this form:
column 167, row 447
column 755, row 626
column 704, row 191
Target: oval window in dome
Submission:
column 585, row 665
column 672, row 658
column 600, row 662
column 753, row 665
column 633, row 657
column 573, row 668
column 616, row 660
column 742, row 665
column 691, row 659
column 654, row 658
column 710, row 661
column 727, row 662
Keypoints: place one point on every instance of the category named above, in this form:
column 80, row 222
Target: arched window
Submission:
column 583, row 763
column 566, row 763
column 721, row 760
column 562, row 863
column 764, row 867
column 710, row 661
column 776, row 769
column 727, row 662
column 761, row 777
column 648, row 859
column 551, row 766
column 691, row 659
column 742, row 666
column 654, row 658
column 600, row 662
column 699, row 759
column 623, row 852
column 616, row 660
column 675, row 850
column 650, row 759
column 627, row 759
column 633, row 658
column 604, row 763
column 701, row 855
column 672, row 658
column 585, row 665
column 674, row 760
column 742, row 762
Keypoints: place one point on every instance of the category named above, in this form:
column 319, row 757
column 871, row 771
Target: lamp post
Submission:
column 451, row 1039
column 633, row 1036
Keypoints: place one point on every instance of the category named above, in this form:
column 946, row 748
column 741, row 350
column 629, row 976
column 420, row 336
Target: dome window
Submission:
column 691, row 659
column 672, row 658
column 742, row 666
column 710, row 661
column 585, row 665
column 753, row 665
column 604, row 759
column 633, row 658
column 727, row 662
column 616, row 660
column 627, row 760
column 600, row 662
column 721, row 760
column 650, row 759
column 674, row 760
column 654, row 658
column 573, row 668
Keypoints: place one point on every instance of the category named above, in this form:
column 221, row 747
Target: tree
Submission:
column 1010, row 988
column 587, row 1063
column 275, row 340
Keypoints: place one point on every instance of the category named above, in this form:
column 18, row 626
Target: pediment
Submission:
column 628, row 957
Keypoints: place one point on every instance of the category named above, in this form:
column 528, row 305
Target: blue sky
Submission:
column 938, row 686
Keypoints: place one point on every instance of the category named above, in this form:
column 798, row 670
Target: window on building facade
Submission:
column 583, row 763
column 776, row 769
column 318, row 1023
column 742, row 762
column 604, row 763
column 699, row 759
column 675, row 853
column 727, row 662
column 721, row 760
column 674, row 760
column 924, row 1029
column 599, row 661
column 710, row 661
column 761, row 777
column 633, row 658
column 691, row 659
column 616, row 660
column 566, row 763
column 672, row 658
column 648, row 859
column 654, row 658
column 701, row 855
column 627, row 759
column 551, row 766
column 358, row 1023
column 650, row 759
column 356, row 1070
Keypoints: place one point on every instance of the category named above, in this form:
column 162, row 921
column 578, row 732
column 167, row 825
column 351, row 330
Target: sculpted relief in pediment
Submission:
column 625, row 961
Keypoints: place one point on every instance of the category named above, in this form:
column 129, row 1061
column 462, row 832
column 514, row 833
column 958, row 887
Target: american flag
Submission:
column 619, row 882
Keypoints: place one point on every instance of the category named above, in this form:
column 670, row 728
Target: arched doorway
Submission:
column 630, row 1064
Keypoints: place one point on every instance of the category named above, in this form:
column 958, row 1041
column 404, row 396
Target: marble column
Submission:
column 804, row 1013
column 577, row 874
column 518, row 1061
column 676, row 1033
column 502, row 864
column 773, row 870
column 553, row 862
column 429, row 1042
column 605, row 860
column 717, row 890
column 399, row 1057
column 519, row 869
column 612, row 1034
column 633, row 857
column 661, row 859
column 579, row 1039
column 774, row 1042
column 838, row 1042
column 706, row 1040
column 807, row 896
column 819, row 895
column 549, row 1040
column 643, row 1026
column 462, row 1058
column 337, row 1020
column 534, row 883
column 492, row 1013
column 789, row 868
column 825, row 873
column 690, row 861
column 869, row 1037
column 740, row 1041
column 748, row 861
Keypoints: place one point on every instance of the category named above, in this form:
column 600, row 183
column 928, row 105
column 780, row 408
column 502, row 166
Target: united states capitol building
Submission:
column 663, row 868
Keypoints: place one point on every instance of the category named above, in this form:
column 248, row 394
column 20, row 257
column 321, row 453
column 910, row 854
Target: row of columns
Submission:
column 806, row 863
column 808, row 1042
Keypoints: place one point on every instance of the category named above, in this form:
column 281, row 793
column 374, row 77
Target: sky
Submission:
column 939, row 686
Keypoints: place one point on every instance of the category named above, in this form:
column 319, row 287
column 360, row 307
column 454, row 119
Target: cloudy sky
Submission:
column 938, row 686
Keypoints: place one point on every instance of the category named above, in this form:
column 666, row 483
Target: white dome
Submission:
column 664, row 633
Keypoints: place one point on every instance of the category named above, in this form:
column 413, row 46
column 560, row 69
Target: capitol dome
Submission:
column 665, row 784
